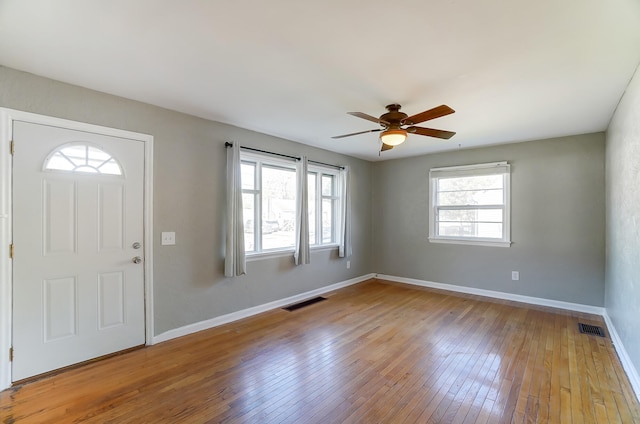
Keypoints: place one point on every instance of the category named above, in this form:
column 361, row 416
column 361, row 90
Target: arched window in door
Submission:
column 82, row 157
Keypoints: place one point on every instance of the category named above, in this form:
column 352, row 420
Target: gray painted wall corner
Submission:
column 557, row 222
column 622, row 296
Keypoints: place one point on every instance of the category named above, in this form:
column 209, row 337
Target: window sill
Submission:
column 323, row 247
column 471, row 242
column 289, row 252
column 267, row 255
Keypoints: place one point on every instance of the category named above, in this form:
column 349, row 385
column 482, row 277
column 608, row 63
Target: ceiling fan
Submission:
column 397, row 125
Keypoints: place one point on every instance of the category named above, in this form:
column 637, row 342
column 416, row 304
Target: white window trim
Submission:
column 319, row 170
column 475, row 241
column 273, row 161
column 269, row 160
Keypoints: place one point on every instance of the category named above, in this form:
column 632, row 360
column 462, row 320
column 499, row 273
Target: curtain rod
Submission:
column 228, row 144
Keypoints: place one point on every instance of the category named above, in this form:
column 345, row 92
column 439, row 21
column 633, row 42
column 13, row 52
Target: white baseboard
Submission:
column 631, row 371
column 234, row 316
column 597, row 310
column 628, row 366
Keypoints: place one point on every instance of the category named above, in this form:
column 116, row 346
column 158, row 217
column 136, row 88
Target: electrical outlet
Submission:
column 515, row 275
column 348, row 264
column 168, row 238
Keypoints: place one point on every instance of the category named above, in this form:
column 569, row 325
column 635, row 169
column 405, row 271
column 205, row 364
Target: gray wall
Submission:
column 557, row 221
column 189, row 174
column 622, row 296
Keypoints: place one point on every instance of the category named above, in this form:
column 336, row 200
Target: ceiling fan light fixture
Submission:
column 393, row 137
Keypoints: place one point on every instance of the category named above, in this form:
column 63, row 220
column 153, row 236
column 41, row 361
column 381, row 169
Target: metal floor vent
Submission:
column 304, row 303
column 591, row 329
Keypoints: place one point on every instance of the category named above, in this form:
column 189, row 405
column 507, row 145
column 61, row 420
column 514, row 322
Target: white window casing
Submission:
column 470, row 204
column 258, row 220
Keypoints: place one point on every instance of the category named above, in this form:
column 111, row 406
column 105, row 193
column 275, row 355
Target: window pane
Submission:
column 489, row 230
column 470, row 183
column 59, row 162
column 456, row 229
column 328, row 220
column 110, row 167
column 470, row 229
column 95, row 154
column 77, row 154
column 278, row 207
column 472, row 197
column 485, row 215
column 311, row 183
column 248, row 176
column 328, row 188
column 249, row 226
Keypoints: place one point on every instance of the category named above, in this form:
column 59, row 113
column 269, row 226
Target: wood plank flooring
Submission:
column 371, row 353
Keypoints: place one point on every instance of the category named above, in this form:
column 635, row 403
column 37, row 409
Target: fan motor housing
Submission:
column 394, row 117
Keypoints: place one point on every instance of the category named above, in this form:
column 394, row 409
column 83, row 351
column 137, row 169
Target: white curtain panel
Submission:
column 235, row 262
column 301, row 254
column 344, row 249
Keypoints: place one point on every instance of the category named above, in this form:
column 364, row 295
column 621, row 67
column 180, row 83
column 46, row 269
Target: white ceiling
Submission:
column 513, row 70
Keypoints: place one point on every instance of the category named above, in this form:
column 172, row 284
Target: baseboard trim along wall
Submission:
column 628, row 366
column 632, row 372
column 245, row 313
column 597, row 310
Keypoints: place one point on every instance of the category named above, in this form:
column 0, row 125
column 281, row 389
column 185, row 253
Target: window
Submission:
column 269, row 204
column 470, row 204
column 82, row 157
column 324, row 204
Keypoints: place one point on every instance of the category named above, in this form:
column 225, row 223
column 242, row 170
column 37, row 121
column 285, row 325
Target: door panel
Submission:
column 77, row 294
column 59, row 214
column 111, row 213
column 60, row 312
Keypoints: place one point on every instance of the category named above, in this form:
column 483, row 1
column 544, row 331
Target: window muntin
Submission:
column 269, row 204
column 470, row 204
column 83, row 158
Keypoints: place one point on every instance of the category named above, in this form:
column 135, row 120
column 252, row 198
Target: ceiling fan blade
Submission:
column 368, row 117
column 430, row 132
column 427, row 115
column 356, row 133
column 386, row 147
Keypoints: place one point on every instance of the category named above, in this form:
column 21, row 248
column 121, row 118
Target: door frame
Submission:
column 7, row 118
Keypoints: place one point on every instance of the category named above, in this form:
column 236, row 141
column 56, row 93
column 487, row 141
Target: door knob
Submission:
column 137, row 260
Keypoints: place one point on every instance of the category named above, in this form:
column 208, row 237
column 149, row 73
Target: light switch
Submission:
column 168, row 238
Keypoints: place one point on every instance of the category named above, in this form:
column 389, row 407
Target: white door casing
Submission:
column 80, row 283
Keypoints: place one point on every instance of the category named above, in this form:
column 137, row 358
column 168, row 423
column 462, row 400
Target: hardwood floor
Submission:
column 372, row 353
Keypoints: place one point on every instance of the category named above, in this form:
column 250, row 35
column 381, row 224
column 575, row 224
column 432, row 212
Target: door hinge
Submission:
column 11, row 354
column 11, row 251
column 12, row 147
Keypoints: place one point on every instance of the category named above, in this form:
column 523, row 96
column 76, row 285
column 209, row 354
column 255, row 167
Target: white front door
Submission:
column 78, row 277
